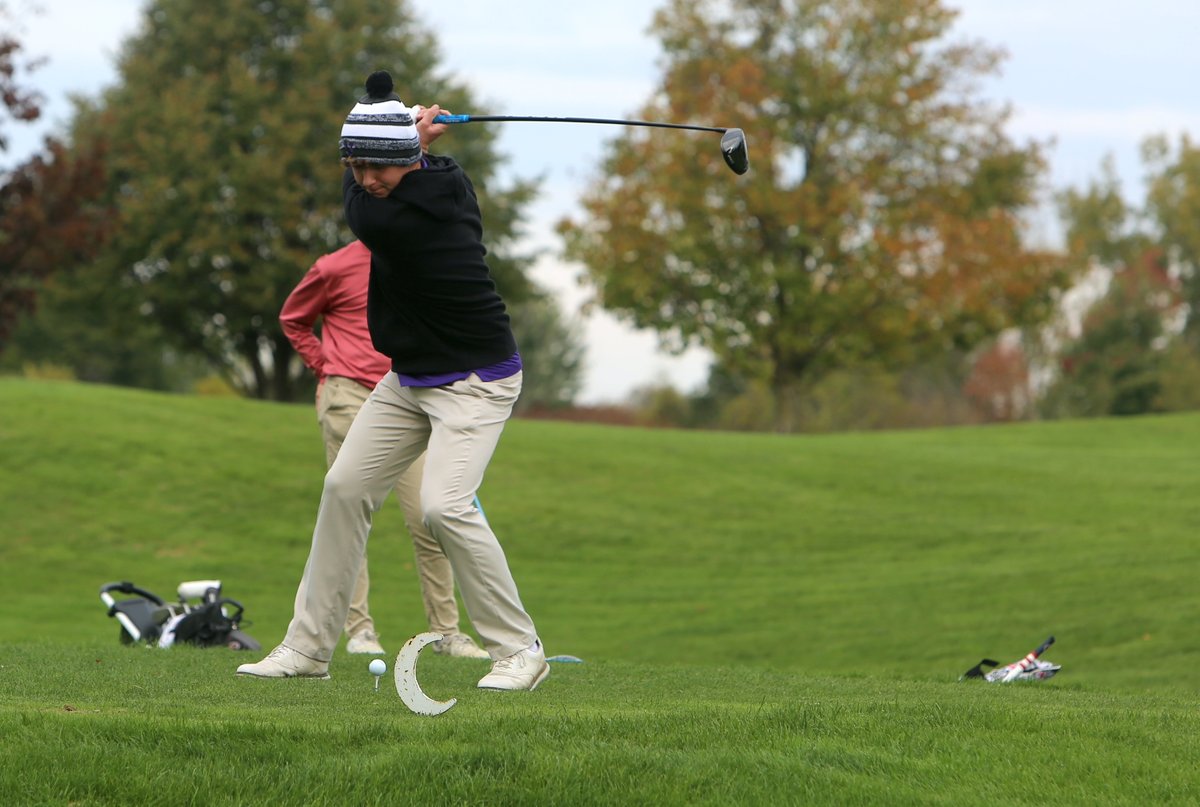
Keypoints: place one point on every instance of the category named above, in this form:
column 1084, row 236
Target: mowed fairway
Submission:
column 763, row 619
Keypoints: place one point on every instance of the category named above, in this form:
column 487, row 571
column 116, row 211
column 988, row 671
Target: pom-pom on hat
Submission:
column 380, row 128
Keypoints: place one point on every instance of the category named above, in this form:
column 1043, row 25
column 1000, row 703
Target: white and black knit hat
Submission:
column 380, row 128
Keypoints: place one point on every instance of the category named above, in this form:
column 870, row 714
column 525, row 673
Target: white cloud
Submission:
column 1129, row 124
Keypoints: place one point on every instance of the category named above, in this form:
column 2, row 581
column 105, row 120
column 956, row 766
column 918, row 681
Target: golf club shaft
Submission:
column 605, row 121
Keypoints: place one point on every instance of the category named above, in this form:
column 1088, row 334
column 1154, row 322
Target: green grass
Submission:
column 146, row 727
column 763, row 619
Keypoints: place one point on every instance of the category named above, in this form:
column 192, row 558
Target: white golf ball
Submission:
column 377, row 667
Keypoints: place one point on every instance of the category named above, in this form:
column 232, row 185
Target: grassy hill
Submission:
column 712, row 582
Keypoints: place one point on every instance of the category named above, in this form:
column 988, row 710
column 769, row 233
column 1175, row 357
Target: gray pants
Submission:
column 457, row 427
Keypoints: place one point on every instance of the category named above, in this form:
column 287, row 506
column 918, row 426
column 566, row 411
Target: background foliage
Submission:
column 220, row 177
column 871, row 271
column 879, row 222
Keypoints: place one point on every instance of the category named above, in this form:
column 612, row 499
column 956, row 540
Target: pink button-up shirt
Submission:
column 335, row 291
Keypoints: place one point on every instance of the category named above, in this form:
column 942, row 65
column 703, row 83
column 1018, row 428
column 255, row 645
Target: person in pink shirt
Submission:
column 347, row 367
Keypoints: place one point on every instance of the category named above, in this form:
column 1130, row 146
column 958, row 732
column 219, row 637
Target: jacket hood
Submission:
column 439, row 189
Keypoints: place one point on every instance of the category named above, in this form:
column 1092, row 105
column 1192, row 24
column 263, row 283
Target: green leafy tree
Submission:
column 223, row 165
column 1180, row 379
column 1101, row 226
column 880, row 217
column 1173, row 207
column 1139, row 348
column 551, row 352
column 1115, row 367
column 660, row 404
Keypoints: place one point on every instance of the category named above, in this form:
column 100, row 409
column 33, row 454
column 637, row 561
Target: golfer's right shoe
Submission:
column 522, row 670
column 284, row 662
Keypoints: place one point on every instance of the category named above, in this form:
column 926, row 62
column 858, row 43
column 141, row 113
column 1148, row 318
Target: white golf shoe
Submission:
column 365, row 643
column 522, row 670
column 284, row 662
column 459, row 645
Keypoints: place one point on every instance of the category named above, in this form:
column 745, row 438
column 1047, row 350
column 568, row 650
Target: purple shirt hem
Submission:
column 493, row 372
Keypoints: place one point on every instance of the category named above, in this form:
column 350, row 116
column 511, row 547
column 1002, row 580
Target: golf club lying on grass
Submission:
column 733, row 141
column 1030, row 668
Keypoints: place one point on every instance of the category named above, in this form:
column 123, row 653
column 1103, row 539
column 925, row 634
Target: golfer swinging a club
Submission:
column 433, row 309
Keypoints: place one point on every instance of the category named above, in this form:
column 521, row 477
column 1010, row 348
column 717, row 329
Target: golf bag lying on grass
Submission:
column 1030, row 668
column 202, row 617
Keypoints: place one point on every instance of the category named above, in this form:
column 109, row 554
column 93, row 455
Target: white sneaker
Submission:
column 284, row 662
column 524, row 669
column 365, row 643
column 459, row 645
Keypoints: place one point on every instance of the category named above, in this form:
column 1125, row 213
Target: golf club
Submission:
column 733, row 141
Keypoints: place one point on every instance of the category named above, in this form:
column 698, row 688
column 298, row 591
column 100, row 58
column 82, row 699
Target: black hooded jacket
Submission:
column 432, row 306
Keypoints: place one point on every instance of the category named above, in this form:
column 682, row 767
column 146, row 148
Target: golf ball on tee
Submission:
column 377, row 667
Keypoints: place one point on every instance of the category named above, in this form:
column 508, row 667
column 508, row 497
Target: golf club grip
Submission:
column 538, row 119
column 1043, row 647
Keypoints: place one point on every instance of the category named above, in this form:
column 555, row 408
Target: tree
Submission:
column 53, row 221
column 223, row 167
column 1173, row 204
column 1115, row 367
column 551, row 352
column 1101, row 226
column 1139, row 347
column 50, row 217
column 998, row 386
column 880, row 217
column 18, row 102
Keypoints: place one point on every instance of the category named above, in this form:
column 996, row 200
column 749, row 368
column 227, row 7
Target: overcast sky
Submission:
column 1096, row 77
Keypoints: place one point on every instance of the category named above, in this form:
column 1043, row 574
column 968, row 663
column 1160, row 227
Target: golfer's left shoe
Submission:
column 365, row 643
column 522, row 670
column 459, row 645
column 284, row 662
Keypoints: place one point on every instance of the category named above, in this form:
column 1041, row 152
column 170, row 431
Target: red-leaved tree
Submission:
column 50, row 217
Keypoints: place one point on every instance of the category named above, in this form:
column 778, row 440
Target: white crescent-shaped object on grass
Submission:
column 406, row 677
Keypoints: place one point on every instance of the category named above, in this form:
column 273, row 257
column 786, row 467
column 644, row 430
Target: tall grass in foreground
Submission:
column 98, row 724
column 763, row 619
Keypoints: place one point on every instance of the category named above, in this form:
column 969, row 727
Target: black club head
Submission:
column 733, row 149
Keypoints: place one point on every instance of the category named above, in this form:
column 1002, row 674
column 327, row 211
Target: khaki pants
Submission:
column 457, row 427
column 338, row 402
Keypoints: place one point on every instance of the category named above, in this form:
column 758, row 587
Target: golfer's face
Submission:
column 380, row 180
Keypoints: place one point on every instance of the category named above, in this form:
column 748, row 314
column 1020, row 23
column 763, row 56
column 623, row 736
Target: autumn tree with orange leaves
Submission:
column 879, row 221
